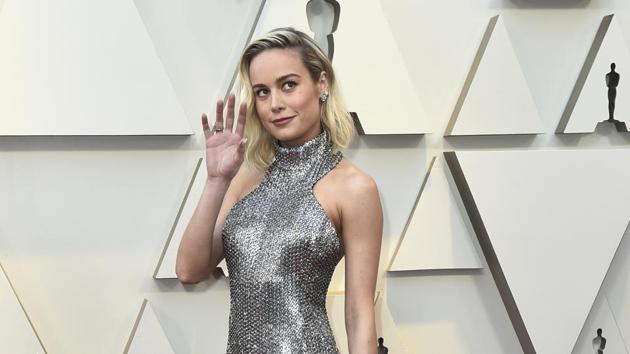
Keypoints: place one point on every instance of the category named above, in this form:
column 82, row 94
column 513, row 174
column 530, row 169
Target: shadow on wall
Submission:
column 323, row 18
column 544, row 4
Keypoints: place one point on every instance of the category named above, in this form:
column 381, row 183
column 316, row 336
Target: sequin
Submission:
column 281, row 250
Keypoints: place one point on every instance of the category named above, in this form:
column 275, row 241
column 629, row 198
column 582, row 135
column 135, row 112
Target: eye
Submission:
column 289, row 84
column 261, row 93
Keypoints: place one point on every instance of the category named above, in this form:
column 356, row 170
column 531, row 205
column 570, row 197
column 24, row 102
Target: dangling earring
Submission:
column 323, row 97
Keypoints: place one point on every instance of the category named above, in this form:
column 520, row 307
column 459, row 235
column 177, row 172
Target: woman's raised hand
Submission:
column 225, row 149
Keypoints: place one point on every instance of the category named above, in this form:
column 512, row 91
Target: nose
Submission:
column 277, row 102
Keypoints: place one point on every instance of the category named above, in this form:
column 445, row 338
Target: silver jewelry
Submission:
column 323, row 97
column 217, row 130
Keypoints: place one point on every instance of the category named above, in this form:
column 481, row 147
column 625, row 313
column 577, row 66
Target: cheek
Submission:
column 261, row 109
column 305, row 100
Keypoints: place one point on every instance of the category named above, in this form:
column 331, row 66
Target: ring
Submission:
column 217, row 130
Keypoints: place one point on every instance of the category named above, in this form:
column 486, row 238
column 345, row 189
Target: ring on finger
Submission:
column 217, row 130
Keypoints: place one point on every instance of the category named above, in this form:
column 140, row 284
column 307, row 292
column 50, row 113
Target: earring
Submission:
column 323, row 97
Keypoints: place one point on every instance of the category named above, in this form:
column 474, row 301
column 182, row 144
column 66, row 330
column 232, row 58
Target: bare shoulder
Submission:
column 353, row 187
column 349, row 178
column 358, row 202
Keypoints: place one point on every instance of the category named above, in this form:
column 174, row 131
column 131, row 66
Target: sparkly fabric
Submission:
column 281, row 250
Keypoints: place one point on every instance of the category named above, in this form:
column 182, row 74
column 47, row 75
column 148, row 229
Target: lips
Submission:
column 282, row 121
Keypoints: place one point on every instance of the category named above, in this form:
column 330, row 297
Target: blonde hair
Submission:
column 335, row 118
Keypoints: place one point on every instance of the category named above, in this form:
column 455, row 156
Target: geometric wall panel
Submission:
column 186, row 35
column 600, row 317
column 73, row 67
column 588, row 103
column 17, row 334
column 386, row 327
column 436, row 235
column 165, row 268
column 98, row 219
column 447, row 312
column 147, row 335
column 362, row 32
column 495, row 98
column 549, row 223
column 617, row 288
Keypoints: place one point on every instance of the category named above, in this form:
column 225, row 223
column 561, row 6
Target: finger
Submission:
column 204, row 125
column 230, row 113
column 242, row 146
column 240, row 123
column 218, row 120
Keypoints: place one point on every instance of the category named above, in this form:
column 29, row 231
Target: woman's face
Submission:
column 287, row 99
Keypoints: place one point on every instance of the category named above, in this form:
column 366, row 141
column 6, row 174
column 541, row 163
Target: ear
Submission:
column 322, row 82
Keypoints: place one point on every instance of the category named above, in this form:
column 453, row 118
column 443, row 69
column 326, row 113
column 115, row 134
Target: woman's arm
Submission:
column 362, row 230
column 198, row 255
column 194, row 255
column 201, row 248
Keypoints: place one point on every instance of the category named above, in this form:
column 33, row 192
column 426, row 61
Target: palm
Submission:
column 225, row 150
column 222, row 157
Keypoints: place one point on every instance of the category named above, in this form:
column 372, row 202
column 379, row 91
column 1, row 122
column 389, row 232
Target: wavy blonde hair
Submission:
column 335, row 118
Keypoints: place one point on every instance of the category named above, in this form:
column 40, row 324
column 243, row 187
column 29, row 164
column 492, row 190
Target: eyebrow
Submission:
column 281, row 78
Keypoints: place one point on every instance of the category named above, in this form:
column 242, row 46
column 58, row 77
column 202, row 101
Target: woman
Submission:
column 285, row 218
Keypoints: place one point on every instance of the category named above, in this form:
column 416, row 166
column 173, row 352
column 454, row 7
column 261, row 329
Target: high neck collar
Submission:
column 297, row 156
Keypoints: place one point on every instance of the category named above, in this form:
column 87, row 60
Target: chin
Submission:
column 284, row 135
column 292, row 132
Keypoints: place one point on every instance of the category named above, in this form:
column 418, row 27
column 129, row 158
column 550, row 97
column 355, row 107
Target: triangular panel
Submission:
column 65, row 69
column 495, row 98
column 386, row 327
column 436, row 235
column 187, row 36
column 147, row 336
column 165, row 268
column 617, row 288
column 549, row 223
column 17, row 334
column 588, row 103
column 600, row 318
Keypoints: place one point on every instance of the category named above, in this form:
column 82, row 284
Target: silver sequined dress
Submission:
column 281, row 250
